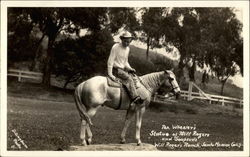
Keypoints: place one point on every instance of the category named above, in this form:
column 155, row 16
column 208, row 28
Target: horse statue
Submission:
column 95, row 92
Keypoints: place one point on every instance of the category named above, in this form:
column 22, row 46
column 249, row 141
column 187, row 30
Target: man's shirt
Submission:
column 119, row 56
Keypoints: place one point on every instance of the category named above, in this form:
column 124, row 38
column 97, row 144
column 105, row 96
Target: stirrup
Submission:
column 138, row 100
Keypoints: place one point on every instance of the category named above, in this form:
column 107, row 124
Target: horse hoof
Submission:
column 89, row 141
column 139, row 144
column 84, row 143
column 123, row 142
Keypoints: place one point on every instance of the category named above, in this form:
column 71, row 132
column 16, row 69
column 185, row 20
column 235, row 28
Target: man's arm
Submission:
column 128, row 67
column 111, row 63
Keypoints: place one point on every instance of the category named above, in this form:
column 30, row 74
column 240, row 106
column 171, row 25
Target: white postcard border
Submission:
column 4, row 4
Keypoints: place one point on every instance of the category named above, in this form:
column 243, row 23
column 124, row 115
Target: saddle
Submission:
column 116, row 84
column 112, row 83
column 140, row 89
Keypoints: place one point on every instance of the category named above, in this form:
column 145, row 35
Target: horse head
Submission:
column 171, row 79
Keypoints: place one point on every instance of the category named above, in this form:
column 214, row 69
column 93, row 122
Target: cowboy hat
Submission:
column 125, row 35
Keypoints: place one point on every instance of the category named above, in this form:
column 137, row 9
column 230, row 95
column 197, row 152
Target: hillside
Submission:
column 143, row 66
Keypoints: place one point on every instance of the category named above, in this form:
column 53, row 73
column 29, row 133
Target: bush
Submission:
column 83, row 57
column 21, row 49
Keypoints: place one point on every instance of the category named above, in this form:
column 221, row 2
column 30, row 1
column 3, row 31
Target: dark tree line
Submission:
column 210, row 36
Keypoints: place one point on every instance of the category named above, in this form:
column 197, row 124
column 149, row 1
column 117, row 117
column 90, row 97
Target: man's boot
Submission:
column 138, row 100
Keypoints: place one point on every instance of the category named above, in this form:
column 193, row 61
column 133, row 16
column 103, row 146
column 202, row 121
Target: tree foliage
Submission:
column 82, row 57
column 52, row 21
column 209, row 36
column 221, row 41
column 123, row 18
column 19, row 27
column 152, row 27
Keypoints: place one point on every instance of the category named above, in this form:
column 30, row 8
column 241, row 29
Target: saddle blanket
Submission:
column 140, row 89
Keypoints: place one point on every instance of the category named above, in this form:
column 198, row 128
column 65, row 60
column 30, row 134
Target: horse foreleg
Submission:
column 83, row 132
column 139, row 114
column 128, row 118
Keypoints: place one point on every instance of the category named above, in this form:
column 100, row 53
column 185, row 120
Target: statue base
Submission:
column 115, row 147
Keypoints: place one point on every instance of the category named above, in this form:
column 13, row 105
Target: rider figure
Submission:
column 119, row 67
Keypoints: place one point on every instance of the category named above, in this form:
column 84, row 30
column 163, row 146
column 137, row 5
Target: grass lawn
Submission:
column 48, row 120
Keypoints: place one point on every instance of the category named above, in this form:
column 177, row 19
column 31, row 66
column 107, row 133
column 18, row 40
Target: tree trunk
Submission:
column 192, row 71
column 69, row 80
column 66, row 83
column 48, row 63
column 35, row 65
column 222, row 87
column 223, row 82
column 72, row 78
column 179, row 72
column 148, row 44
column 52, row 30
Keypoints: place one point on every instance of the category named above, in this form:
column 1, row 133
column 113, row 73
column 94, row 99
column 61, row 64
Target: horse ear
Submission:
column 167, row 72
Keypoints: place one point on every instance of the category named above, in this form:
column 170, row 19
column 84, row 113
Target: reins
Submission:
column 141, row 82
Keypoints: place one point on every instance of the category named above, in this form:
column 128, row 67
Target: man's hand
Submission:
column 113, row 77
column 132, row 70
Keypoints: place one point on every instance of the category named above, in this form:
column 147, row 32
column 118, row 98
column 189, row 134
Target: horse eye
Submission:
column 171, row 79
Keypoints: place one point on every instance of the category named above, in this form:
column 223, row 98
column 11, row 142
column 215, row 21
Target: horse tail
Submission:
column 82, row 110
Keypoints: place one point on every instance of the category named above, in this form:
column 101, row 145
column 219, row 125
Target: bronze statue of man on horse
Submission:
column 119, row 67
column 100, row 91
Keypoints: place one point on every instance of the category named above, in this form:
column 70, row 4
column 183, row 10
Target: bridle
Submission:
column 170, row 79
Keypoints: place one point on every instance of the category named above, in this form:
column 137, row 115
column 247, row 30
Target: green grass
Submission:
column 155, row 62
column 229, row 89
column 45, row 125
column 52, row 122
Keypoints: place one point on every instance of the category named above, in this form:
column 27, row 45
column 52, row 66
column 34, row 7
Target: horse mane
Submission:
column 152, row 81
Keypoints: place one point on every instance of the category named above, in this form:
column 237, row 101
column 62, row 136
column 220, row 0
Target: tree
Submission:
column 182, row 30
column 202, row 35
column 238, row 55
column 222, row 42
column 205, row 35
column 52, row 21
column 152, row 27
column 122, row 18
column 19, row 28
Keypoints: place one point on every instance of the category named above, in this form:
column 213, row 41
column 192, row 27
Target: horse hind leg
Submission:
column 91, row 112
column 83, row 132
column 83, row 127
column 89, row 135
column 85, row 119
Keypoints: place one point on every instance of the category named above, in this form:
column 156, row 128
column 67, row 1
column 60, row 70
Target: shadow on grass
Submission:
column 173, row 107
column 35, row 90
